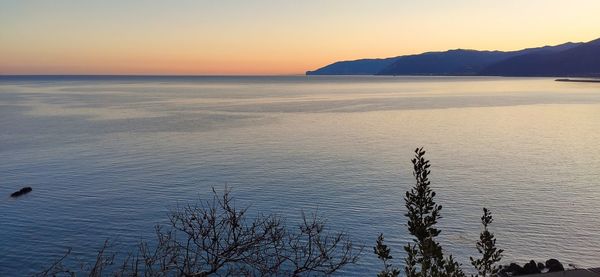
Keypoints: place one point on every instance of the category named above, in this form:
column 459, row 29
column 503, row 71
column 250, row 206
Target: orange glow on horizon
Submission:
column 268, row 37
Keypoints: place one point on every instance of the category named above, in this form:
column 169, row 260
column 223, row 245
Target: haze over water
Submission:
column 108, row 157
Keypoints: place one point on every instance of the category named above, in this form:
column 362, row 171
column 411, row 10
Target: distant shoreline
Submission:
column 579, row 80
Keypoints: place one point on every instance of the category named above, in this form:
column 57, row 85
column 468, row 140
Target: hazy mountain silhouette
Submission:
column 582, row 60
column 462, row 62
column 357, row 67
column 459, row 62
column 452, row 62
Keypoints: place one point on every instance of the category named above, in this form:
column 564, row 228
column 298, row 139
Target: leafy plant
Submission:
column 383, row 253
column 424, row 255
column 486, row 246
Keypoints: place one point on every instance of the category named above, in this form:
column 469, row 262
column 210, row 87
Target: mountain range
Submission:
column 564, row 60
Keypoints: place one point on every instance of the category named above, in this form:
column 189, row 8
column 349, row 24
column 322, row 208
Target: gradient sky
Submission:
column 269, row 36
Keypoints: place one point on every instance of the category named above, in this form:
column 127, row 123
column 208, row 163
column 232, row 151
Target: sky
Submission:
column 269, row 37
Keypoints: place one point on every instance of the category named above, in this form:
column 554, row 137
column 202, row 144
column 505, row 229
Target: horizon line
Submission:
column 150, row 75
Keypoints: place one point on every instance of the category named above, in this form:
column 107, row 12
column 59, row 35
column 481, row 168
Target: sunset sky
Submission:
column 269, row 37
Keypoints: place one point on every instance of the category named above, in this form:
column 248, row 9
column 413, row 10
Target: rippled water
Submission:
column 108, row 157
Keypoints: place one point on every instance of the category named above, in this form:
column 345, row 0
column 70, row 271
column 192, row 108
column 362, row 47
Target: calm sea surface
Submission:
column 108, row 157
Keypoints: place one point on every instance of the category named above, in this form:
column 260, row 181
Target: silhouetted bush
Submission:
column 216, row 238
column 383, row 253
column 486, row 246
column 425, row 256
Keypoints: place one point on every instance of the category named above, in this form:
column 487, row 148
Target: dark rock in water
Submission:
column 22, row 191
column 514, row 269
column 531, row 268
column 554, row 265
column 541, row 266
column 550, row 262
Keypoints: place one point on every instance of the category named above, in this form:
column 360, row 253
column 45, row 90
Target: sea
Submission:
column 109, row 157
